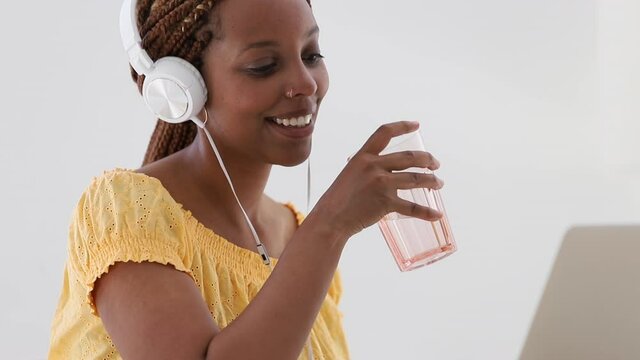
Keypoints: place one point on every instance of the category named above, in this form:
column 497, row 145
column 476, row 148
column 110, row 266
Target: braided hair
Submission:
column 182, row 28
column 172, row 28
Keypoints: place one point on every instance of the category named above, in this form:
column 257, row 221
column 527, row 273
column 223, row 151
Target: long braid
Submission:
column 193, row 20
column 155, row 16
column 143, row 13
column 158, row 34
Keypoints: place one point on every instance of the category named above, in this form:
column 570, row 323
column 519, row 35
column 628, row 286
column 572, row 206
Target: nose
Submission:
column 302, row 82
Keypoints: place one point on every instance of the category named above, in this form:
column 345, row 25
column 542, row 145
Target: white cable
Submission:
column 262, row 250
column 308, row 182
column 309, row 349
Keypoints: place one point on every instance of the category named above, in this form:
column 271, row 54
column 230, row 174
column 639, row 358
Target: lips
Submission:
column 294, row 121
column 297, row 123
column 291, row 131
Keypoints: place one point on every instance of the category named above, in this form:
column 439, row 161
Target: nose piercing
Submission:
column 290, row 94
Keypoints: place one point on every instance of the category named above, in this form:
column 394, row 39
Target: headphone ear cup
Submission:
column 174, row 90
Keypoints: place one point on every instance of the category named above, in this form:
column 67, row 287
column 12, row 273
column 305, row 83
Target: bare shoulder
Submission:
column 171, row 173
column 164, row 169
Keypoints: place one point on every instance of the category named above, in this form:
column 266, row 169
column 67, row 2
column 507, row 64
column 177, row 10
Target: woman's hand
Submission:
column 366, row 189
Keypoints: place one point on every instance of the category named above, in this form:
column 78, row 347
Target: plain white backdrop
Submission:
column 531, row 106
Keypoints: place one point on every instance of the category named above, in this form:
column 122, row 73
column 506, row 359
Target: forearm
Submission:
column 276, row 324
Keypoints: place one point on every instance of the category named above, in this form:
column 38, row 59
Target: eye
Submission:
column 262, row 70
column 313, row 58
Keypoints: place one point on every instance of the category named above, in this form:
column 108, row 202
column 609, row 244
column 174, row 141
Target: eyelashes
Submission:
column 313, row 58
column 262, row 70
column 266, row 70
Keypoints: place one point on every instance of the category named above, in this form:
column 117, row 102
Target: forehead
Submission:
column 246, row 21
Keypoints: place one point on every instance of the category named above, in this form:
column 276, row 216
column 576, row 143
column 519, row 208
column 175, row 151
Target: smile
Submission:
column 300, row 121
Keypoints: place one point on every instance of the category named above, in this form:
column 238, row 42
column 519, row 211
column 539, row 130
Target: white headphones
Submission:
column 173, row 88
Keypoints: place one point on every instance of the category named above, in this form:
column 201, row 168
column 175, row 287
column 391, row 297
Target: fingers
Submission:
column 407, row 159
column 412, row 180
column 381, row 137
column 409, row 208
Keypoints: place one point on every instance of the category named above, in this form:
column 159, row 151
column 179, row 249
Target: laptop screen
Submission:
column 590, row 308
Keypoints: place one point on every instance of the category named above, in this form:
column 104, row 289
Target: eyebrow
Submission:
column 272, row 43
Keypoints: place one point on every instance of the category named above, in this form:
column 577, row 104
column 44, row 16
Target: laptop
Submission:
column 590, row 308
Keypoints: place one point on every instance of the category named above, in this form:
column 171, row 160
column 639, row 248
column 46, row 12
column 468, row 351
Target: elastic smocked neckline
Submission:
column 226, row 252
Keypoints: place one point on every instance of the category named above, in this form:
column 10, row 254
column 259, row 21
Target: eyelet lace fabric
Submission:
column 127, row 216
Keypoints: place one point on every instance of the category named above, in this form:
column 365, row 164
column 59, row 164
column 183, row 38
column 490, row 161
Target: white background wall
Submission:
column 531, row 106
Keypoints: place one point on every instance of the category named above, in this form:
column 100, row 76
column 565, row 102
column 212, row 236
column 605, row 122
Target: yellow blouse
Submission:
column 129, row 216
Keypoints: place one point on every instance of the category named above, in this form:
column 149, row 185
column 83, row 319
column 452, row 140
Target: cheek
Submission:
column 241, row 98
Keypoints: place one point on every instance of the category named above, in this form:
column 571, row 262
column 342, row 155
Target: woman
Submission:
column 161, row 263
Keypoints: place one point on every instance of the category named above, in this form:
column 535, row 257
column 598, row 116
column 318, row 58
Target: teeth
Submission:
column 296, row 121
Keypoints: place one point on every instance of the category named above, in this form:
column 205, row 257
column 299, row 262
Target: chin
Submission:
column 293, row 158
column 291, row 163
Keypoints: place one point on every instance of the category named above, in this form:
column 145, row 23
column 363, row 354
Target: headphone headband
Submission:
column 130, row 35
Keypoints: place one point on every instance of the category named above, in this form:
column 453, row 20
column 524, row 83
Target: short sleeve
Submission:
column 125, row 216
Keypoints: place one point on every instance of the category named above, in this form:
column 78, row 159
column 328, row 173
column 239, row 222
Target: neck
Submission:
column 248, row 176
